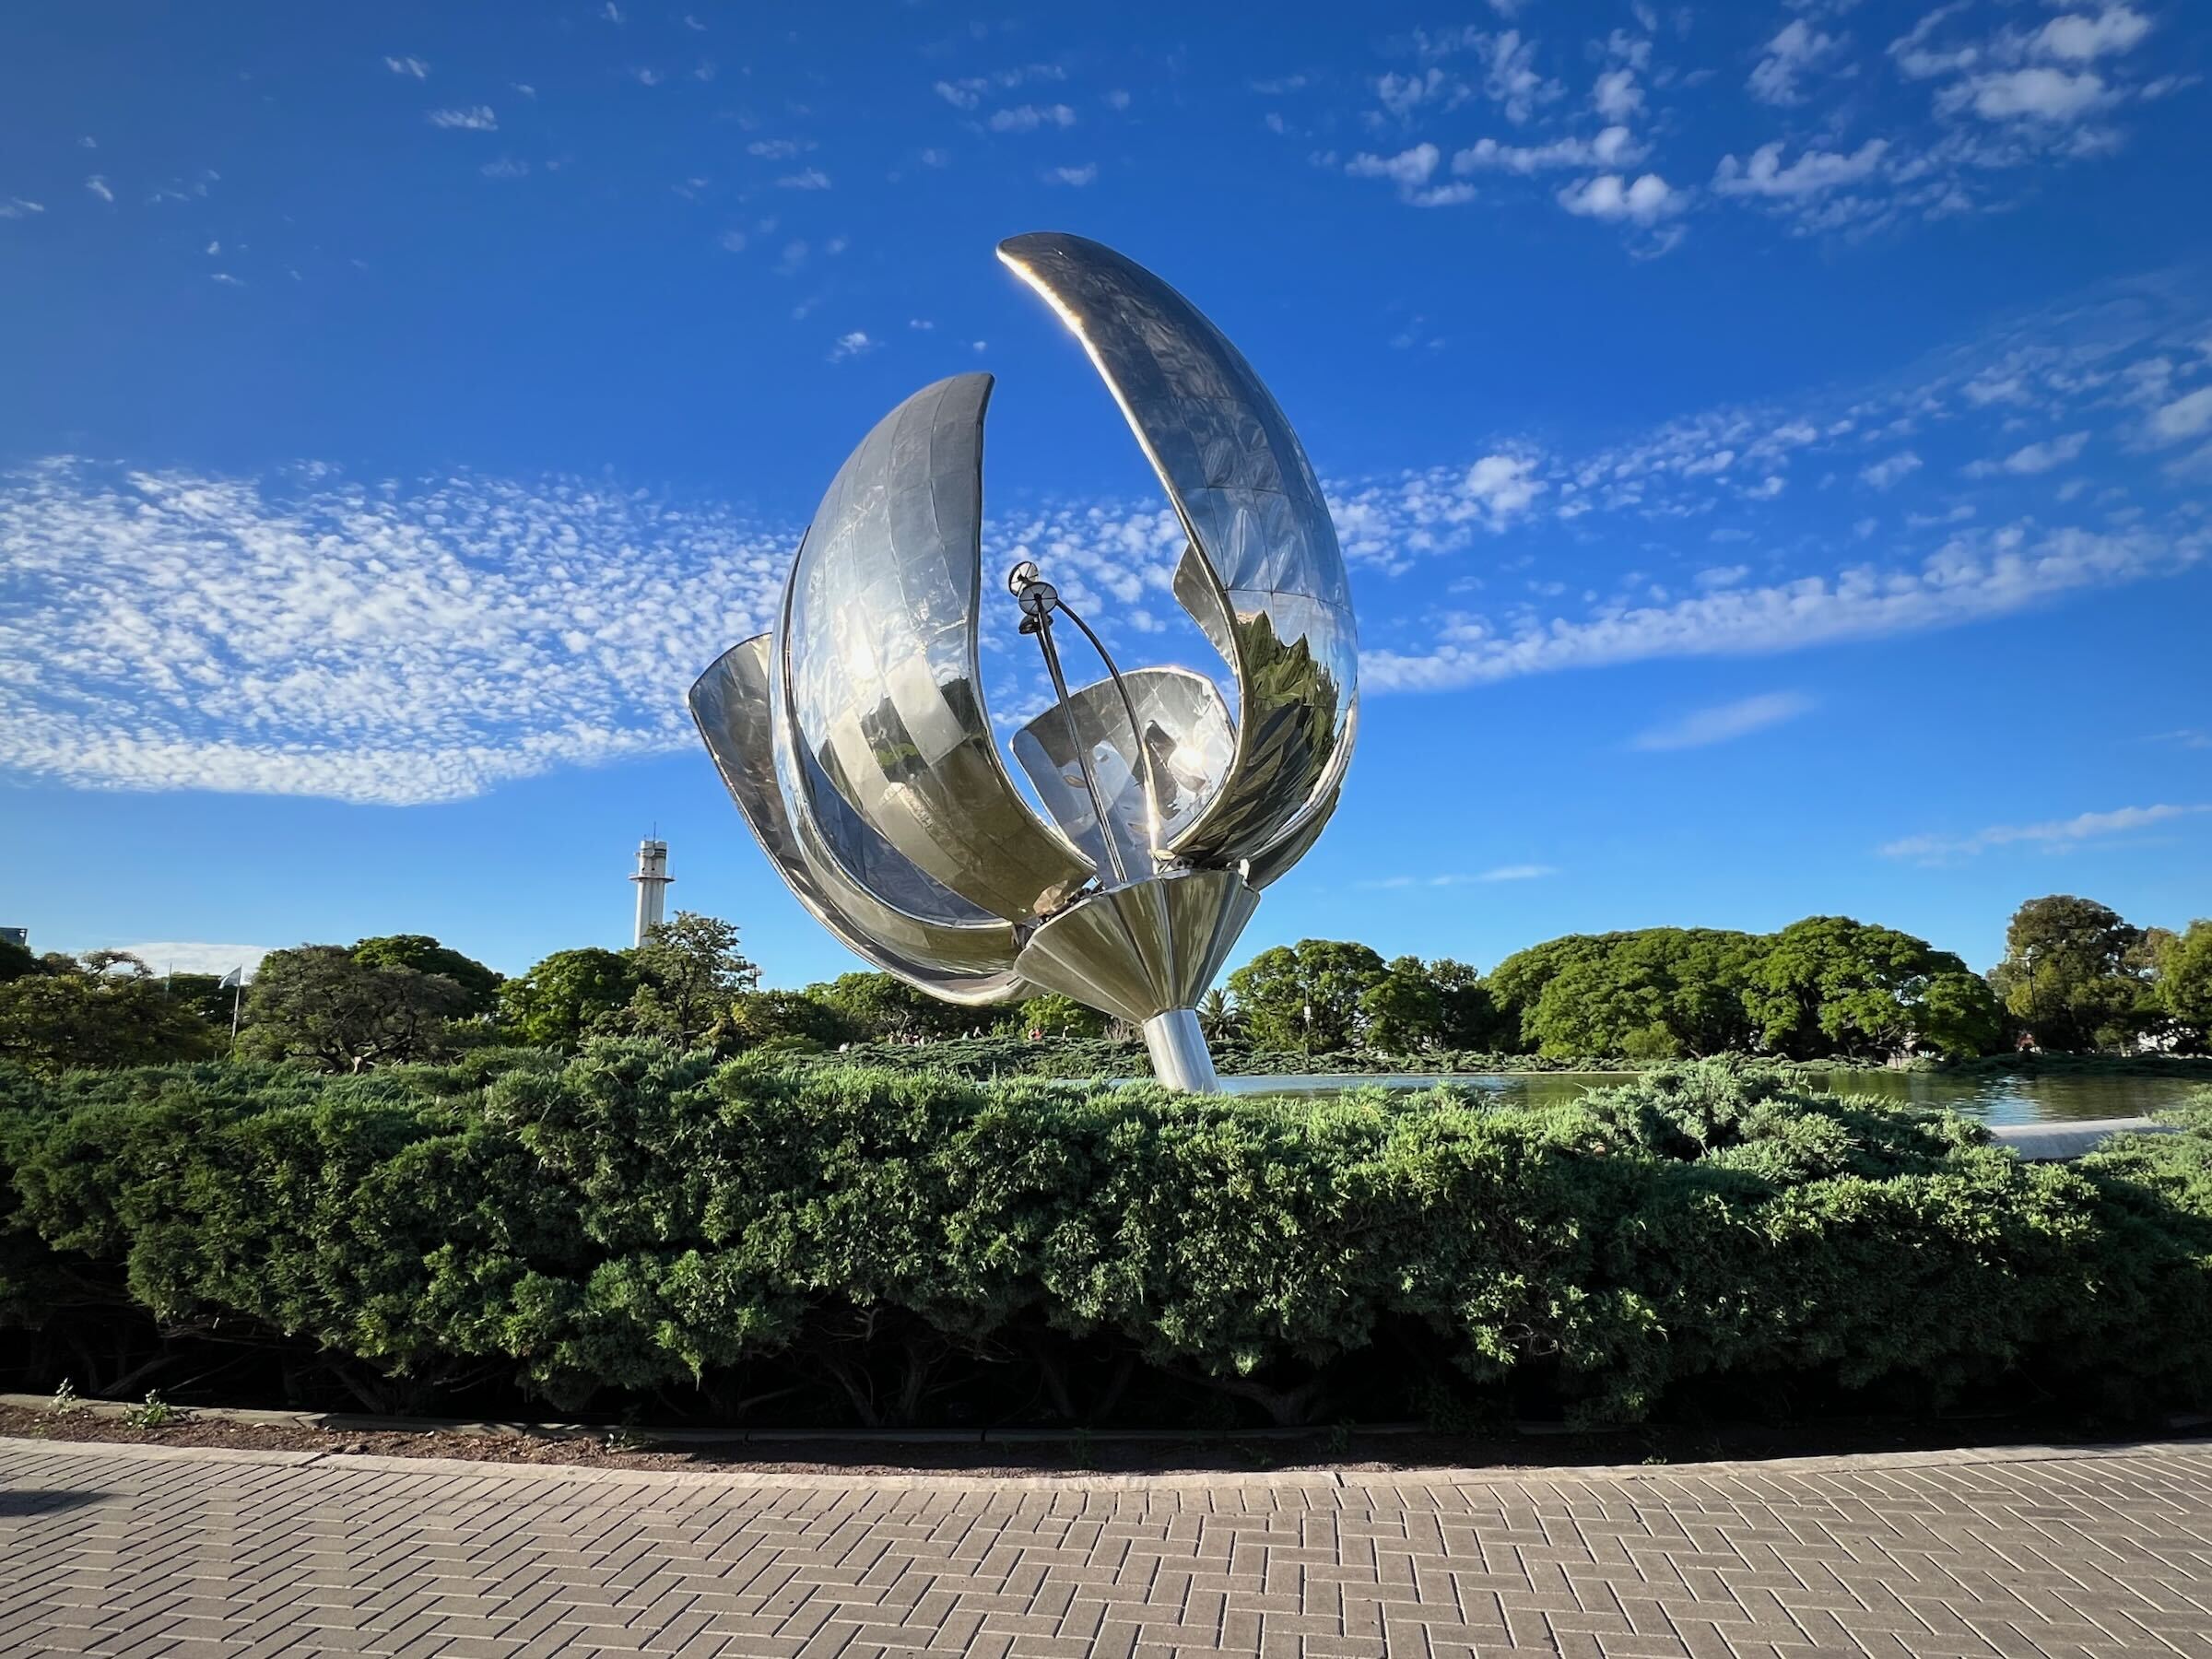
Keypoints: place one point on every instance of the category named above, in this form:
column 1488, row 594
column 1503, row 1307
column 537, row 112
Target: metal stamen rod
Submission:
column 1037, row 599
column 1136, row 734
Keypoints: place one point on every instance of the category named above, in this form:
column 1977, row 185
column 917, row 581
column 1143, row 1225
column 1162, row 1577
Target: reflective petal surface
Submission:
column 878, row 663
column 1139, row 950
column 1187, row 737
column 733, row 705
column 1264, row 577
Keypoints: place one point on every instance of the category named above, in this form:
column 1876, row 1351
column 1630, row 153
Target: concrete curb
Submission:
column 1317, row 1479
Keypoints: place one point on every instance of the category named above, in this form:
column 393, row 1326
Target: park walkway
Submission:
column 152, row 1551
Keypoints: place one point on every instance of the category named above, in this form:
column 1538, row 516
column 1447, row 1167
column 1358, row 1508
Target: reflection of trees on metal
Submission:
column 856, row 740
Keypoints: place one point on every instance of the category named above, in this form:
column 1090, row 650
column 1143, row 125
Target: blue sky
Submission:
column 1771, row 444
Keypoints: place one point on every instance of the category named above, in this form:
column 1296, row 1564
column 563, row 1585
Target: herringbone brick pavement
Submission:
column 143, row 1551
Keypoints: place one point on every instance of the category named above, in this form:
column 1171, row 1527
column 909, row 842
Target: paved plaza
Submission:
column 153, row 1550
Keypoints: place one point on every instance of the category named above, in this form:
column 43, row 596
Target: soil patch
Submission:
column 1328, row 1450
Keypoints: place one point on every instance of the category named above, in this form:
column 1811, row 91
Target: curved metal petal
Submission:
column 1187, row 738
column 961, row 962
column 1263, row 575
column 1139, row 950
column 877, row 661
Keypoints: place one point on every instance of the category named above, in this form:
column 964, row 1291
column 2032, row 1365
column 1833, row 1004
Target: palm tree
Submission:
column 1216, row 1019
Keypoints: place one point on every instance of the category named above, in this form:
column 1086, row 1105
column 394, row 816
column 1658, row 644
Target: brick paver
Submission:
column 158, row 1551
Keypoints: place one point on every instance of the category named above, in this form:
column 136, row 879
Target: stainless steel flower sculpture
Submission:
column 854, row 738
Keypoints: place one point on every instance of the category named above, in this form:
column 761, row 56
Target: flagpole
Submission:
column 238, row 997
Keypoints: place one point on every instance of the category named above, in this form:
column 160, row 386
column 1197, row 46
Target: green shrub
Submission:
column 638, row 1218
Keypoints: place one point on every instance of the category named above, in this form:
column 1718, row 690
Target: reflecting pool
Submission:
column 2004, row 1098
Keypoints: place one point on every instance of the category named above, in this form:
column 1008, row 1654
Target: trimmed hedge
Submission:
column 882, row 1245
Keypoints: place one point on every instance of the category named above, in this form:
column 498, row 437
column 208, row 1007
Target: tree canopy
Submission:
column 2073, row 974
column 1306, row 995
column 426, row 955
column 105, row 1008
column 323, row 1006
column 689, row 971
column 568, row 997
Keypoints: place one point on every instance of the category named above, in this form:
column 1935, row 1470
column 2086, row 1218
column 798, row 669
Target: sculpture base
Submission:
column 1180, row 1057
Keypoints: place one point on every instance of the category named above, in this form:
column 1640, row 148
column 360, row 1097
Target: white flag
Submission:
column 231, row 978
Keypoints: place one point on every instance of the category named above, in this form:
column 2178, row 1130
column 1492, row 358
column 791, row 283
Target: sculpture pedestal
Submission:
column 1180, row 1057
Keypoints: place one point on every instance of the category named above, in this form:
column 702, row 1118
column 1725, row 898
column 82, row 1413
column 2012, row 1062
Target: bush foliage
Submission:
column 882, row 1246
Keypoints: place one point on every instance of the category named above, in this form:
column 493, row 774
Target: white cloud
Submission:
column 310, row 635
column 1728, row 721
column 1613, row 147
column 2031, row 458
column 1917, row 60
column 2080, row 39
column 732, row 241
column 1891, row 470
column 1615, row 96
column 811, row 178
column 1028, row 117
column 1813, row 170
column 479, row 118
column 1520, row 872
column 1408, row 169
column 2183, row 418
column 16, row 208
column 1510, row 78
column 2057, row 835
column 1402, row 94
column 506, row 167
column 98, row 187
column 1503, row 486
column 413, row 67
column 966, row 93
column 852, row 344
column 1796, row 49
column 180, row 956
column 1972, row 578
column 2036, row 93
column 1610, row 196
column 779, row 149
column 1077, row 176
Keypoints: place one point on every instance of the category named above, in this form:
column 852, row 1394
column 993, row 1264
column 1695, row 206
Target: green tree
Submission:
column 689, row 972
column 2072, row 973
column 204, row 994
column 323, row 1006
column 17, row 961
column 568, row 996
column 1468, row 1011
column 1219, row 1020
column 106, row 1009
column 426, row 955
column 1831, row 985
column 1403, row 1011
column 882, row 1007
column 758, row 1017
column 1306, row 997
column 1058, row 1016
column 1654, row 993
column 2186, row 982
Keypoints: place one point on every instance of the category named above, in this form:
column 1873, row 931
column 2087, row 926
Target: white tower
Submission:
column 652, row 880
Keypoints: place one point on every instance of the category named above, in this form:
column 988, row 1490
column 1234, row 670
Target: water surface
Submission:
column 2004, row 1099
